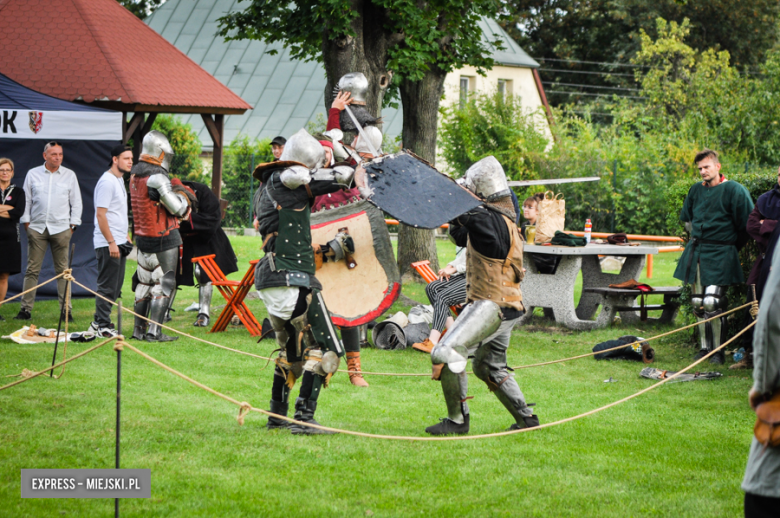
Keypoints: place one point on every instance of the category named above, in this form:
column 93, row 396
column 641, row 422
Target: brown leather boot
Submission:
column 353, row 365
column 426, row 346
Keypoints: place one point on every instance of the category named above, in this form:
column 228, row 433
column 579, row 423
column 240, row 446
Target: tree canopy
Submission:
column 609, row 31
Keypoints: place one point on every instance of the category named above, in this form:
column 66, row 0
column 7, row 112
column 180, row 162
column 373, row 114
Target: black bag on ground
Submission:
column 641, row 352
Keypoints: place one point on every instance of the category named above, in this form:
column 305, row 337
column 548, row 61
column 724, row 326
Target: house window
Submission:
column 504, row 87
column 464, row 90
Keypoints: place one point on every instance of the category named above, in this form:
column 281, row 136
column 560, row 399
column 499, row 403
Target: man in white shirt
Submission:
column 111, row 228
column 51, row 216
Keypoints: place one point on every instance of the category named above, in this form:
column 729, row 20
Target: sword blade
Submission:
column 552, row 181
column 362, row 133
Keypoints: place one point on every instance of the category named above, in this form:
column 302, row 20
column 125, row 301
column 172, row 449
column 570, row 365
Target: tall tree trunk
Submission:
column 366, row 52
column 421, row 112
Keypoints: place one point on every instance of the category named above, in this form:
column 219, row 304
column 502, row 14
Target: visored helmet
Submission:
column 157, row 150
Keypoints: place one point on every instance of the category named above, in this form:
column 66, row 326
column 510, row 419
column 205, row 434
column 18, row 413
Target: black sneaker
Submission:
column 23, row 315
column 70, row 316
column 701, row 354
column 719, row 358
column 447, row 426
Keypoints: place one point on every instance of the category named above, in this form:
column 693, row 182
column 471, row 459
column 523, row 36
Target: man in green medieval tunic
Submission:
column 715, row 213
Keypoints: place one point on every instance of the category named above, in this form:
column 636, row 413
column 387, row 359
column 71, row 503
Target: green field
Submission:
column 677, row 451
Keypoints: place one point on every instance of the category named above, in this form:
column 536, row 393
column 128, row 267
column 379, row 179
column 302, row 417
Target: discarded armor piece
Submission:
column 658, row 374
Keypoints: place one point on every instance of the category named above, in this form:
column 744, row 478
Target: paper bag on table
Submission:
column 552, row 213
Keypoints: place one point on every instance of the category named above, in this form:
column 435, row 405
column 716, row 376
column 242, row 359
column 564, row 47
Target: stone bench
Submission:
column 624, row 301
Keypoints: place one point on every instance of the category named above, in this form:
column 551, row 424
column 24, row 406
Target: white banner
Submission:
column 60, row 125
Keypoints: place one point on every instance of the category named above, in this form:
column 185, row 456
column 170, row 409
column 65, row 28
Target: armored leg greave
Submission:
column 204, row 298
column 161, row 295
column 139, row 328
column 455, row 388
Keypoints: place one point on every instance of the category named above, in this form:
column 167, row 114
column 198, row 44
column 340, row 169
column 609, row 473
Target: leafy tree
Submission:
column 409, row 44
column 141, row 8
column 186, row 163
column 241, row 158
column 609, row 31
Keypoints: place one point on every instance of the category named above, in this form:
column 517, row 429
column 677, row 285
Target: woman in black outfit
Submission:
column 11, row 209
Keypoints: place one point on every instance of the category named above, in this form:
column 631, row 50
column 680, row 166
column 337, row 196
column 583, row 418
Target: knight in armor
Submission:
column 285, row 276
column 494, row 269
column 159, row 204
column 202, row 234
column 715, row 213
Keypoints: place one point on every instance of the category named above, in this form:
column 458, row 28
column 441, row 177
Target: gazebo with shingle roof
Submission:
column 97, row 52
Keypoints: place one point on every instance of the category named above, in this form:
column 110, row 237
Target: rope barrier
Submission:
column 28, row 375
column 399, row 374
column 9, row 299
column 245, row 407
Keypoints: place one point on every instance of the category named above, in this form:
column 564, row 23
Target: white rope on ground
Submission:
column 399, row 374
column 245, row 407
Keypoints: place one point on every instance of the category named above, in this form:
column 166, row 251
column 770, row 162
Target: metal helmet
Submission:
column 157, row 150
column 304, row 148
column 374, row 135
column 355, row 83
column 487, row 180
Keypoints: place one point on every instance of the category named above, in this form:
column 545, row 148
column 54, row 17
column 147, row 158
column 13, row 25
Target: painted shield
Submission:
column 415, row 193
column 359, row 295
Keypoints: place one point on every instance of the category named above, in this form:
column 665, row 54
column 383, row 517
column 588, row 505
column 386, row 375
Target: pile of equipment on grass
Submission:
column 401, row 331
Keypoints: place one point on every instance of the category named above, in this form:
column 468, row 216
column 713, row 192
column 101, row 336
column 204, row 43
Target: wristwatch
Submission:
column 73, row 228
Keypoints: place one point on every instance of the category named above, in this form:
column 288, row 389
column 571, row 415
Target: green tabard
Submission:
column 293, row 244
column 719, row 216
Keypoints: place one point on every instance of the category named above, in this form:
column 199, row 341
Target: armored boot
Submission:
column 156, row 314
column 455, row 389
column 304, row 411
column 139, row 328
column 279, row 408
column 353, row 365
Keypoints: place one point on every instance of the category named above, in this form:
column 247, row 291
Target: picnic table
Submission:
column 555, row 292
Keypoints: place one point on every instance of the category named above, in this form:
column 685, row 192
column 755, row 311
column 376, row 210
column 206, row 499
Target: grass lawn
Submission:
column 678, row 451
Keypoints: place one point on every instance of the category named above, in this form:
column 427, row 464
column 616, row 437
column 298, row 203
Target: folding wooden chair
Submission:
column 424, row 269
column 234, row 293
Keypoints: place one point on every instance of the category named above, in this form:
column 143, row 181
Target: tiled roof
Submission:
column 286, row 93
column 96, row 50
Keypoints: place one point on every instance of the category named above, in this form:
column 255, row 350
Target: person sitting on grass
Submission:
column 448, row 290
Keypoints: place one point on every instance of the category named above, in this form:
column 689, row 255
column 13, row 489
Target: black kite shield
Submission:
column 415, row 193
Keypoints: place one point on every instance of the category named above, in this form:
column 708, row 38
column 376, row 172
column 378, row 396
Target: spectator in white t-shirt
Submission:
column 111, row 232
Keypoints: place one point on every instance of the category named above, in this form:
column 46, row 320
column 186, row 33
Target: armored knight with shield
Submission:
column 159, row 203
column 354, row 304
column 285, row 277
column 494, row 260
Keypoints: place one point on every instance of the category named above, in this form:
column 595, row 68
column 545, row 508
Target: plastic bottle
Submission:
column 588, row 228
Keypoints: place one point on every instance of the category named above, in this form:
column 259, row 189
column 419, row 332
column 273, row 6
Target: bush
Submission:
column 241, row 158
column 186, row 163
